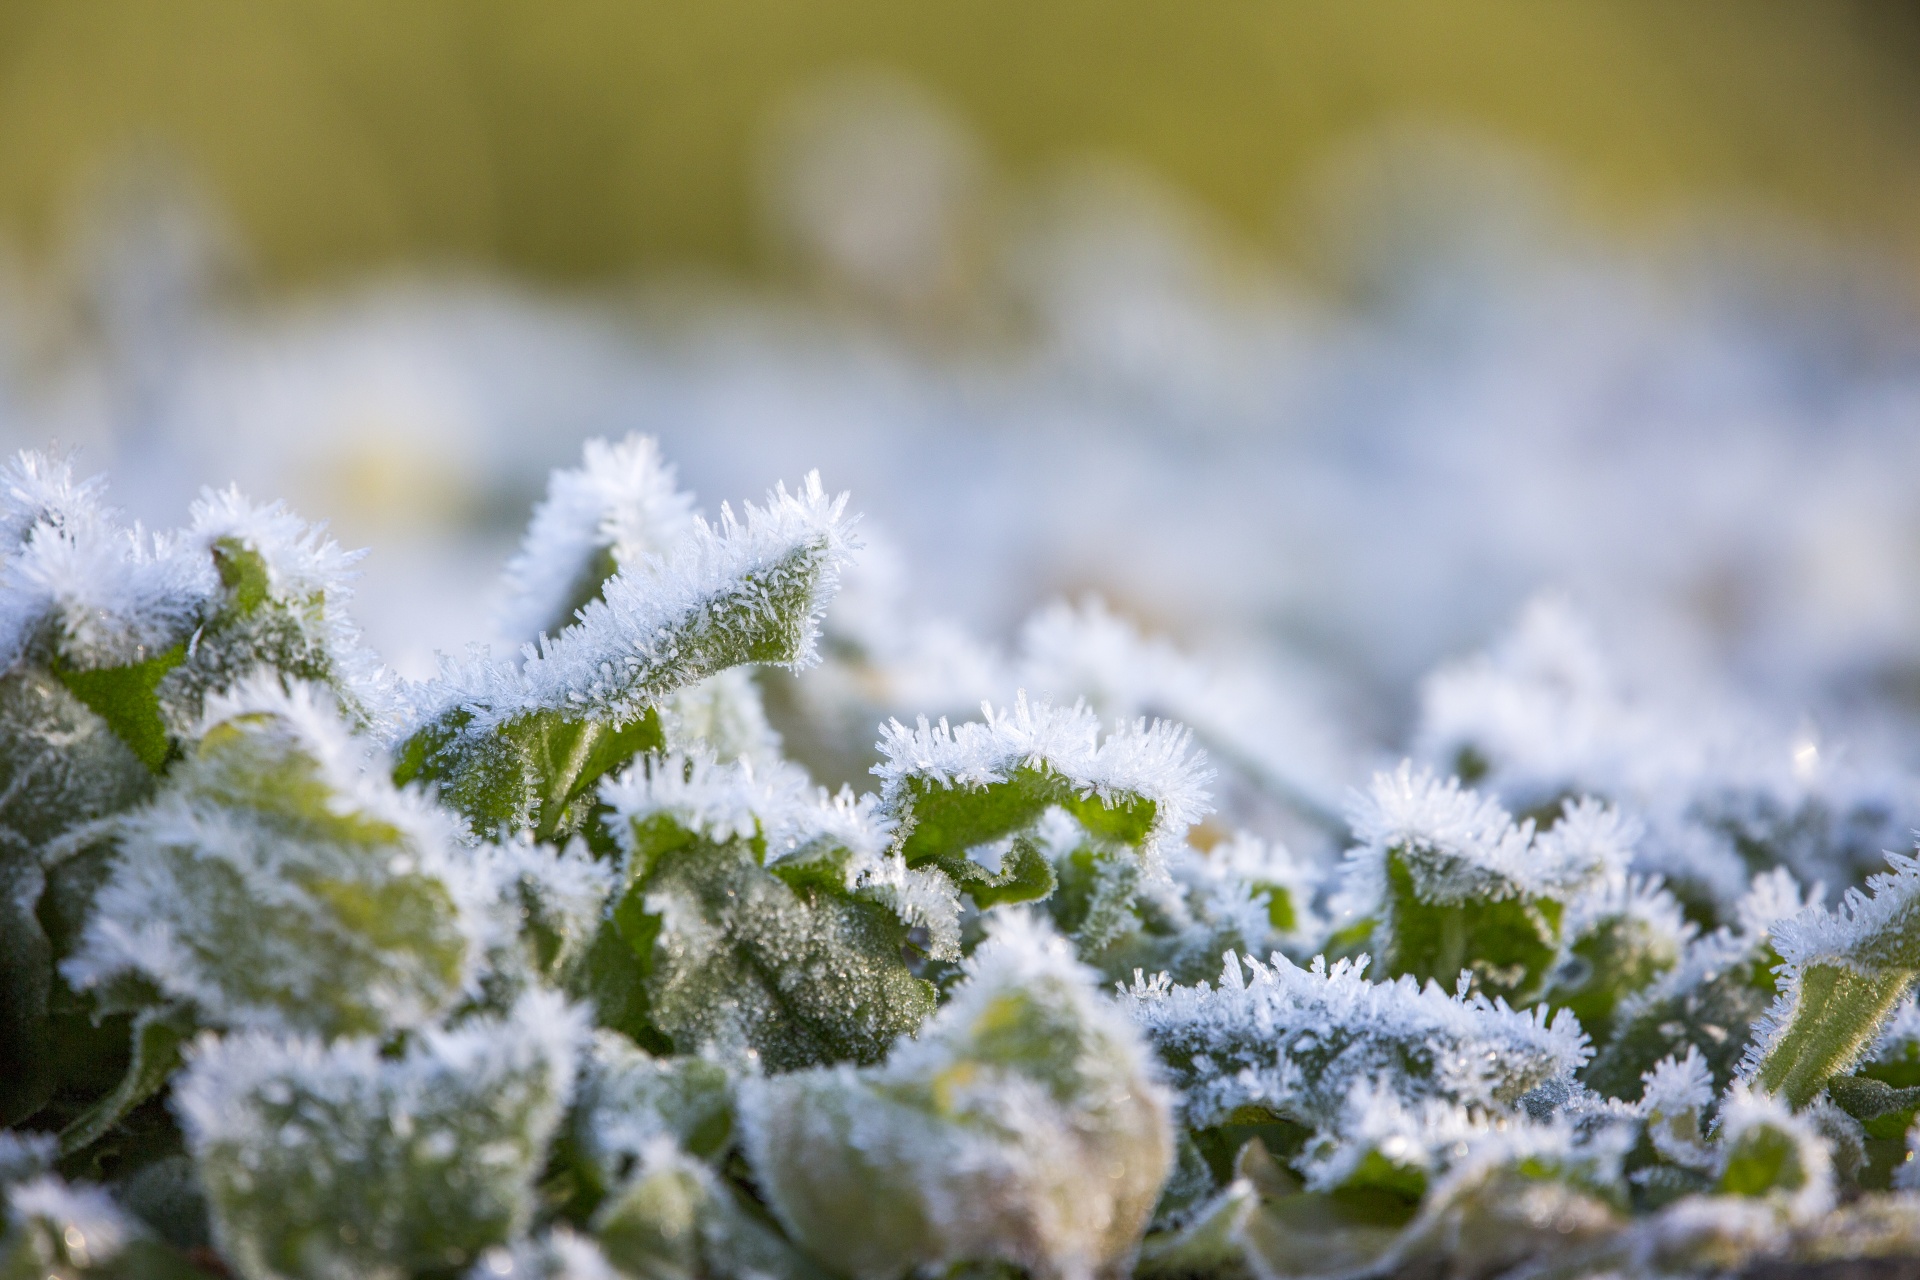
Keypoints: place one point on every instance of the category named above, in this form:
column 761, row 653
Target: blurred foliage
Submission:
column 574, row 138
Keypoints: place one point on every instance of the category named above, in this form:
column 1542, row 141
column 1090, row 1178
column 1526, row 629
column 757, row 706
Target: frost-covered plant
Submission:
column 333, row 1160
column 1024, row 1125
column 564, row 966
column 1445, row 882
column 523, row 744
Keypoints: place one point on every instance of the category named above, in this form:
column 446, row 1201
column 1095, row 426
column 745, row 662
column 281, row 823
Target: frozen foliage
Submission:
column 619, row 506
column 575, row 971
column 278, row 880
column 952, row 789
column 1291, row 1041
column 793, row 961
column 1846, row 972
column 1024, row 1124
column 334, row 1161
column 1448, row 882
column 521, row 743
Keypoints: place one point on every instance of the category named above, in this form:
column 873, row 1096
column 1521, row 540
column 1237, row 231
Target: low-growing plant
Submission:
column 564, row 965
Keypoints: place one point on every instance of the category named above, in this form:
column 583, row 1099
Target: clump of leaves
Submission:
column 558, row 966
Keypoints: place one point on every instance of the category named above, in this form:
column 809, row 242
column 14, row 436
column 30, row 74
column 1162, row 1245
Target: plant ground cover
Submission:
column 558, row 965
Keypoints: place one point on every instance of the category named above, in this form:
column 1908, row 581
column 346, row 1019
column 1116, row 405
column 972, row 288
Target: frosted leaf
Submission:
column 629, row 1099
column 280, row 604
column 1767, row 1152
column 334, row 1161
column 795, row 961
column 1289, row 1041
column 1708, row 1002
column 1023, row 1125
column 1264, row 735
column 1845, row 974
column 618, row 507
column 80, row 589
column 1620, row 937
column 1517, row 1194
column 61, row 768
column 675, row 1217
column 279, row 880
column 1452, row 884
column 522, row 745
column 560, row 1254
column 61, row 1232
column 1243, row 894
column 952, row 788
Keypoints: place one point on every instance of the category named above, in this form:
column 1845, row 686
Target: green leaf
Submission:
column 1846, row 973
column 294, row 885
column 1837, row 1013
column 529, row 773
column 1025, row 875
column 1023, row 1125
column 733, row 955
column 1509, row 944
column 124, row 697
column 1612, row 957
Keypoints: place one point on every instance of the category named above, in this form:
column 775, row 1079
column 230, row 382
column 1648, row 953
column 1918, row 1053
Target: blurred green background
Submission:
column 575, row 140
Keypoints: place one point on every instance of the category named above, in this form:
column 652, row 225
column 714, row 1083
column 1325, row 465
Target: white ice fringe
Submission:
column 621, row 499
column 1156, row 761
column 718, row 802
column 1471, row 846
column 1248, row 1031
column 626, row 651
column 113, row 595
column 739, row 801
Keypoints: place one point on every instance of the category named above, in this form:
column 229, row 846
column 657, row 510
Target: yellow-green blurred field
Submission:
column 581, row 138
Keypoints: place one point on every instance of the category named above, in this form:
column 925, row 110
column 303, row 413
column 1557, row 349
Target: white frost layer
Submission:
column 1460, row 846
column 622, row 500
column 1293, row 1039
column 633, row 646
column 109, row 595
column 154, row 917
column 1153, row 761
